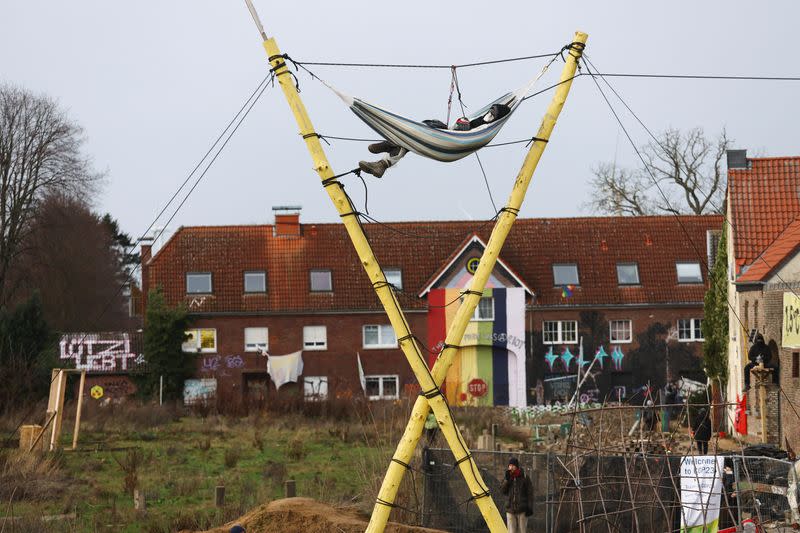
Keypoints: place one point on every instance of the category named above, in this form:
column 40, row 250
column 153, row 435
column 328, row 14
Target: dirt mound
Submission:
column 308, row 516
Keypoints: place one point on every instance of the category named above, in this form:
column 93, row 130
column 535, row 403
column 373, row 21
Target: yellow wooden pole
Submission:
column 410, row 438
column 384, row 292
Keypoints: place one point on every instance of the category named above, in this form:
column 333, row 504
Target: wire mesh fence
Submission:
column 759, row 489
column 603, row 492
column 447, row 501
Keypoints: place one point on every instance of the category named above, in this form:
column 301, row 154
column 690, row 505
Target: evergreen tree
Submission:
column 715, row 315
column 164, row 334
column 27, row 354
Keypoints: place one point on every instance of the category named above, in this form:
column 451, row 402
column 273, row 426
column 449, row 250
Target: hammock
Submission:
column 438, row 144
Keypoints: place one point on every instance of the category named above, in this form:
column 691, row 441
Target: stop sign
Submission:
column 477, row 387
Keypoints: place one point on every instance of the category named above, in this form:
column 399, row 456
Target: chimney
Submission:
column 145, row 254
column 737, row 159
column 287, row 221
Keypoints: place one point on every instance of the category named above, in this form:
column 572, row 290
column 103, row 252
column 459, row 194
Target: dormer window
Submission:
column 198, row 283
column 255, row 281
column 565, row 274
column 395, row 277
column 321, row 281
column 627, row 273
column 689, row 272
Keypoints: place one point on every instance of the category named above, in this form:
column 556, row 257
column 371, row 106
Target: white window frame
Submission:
column 315, row 388
column 611, row 330
column 695, row 330
column 210, row 282
column 692, row 281
column 384, row 377
column 636, row 267
column 312, row 344
column 577, row 274
column 395, row 277
column 311, row 279
column 560, row 330
column 194, row 346
column 257, row 347
column 476, row 315
column 262, row 273
column 382, row 329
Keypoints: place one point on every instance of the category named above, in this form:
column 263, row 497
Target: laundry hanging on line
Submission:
column 283, row 369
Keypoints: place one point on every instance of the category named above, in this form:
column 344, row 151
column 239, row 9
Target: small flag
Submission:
column 740, row 422
column 566, row 291
column 361, row 376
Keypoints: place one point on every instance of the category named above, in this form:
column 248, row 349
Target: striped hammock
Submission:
column 439, row 144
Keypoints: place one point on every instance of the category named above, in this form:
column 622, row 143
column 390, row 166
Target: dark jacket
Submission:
column 759, row 348
column 520, row 493
column 702, row 432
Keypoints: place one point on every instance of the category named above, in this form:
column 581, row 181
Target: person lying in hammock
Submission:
column 394, row 153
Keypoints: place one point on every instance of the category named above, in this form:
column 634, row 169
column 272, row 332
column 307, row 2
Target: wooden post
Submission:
column 219, row 496
column 139, row 501
column 290, row 488
column 78, row 411
column 763, row 375
column 56, row 404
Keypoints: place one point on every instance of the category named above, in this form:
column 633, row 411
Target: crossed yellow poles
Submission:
column 430, row 380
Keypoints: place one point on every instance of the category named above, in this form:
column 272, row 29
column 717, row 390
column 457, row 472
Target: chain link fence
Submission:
column 759, row 489
column 601, row 493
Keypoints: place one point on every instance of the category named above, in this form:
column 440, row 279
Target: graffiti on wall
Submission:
column 215, row 363
column 199, row 390
column 113, row 352
column 617, row 357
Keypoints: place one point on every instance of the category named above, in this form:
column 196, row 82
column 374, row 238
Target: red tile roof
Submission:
column 764, row 200
column 419, row 249
column 781, row 249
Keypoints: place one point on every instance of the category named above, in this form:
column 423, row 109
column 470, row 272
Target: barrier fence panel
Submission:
column 590, row 493
column 759, row 489
column 446, row 500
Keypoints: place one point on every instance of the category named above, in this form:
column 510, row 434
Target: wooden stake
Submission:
column 290, row 488
column 78, row 412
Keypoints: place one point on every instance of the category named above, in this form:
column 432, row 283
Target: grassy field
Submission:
column 178, row 458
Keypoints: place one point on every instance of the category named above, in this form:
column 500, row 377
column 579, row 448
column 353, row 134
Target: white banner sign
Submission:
column 701, row 493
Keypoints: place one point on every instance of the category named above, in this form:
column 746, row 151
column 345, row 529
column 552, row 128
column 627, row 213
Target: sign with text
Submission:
column 477, row 388
column 791, row 321
column 701, row 493
column 111, row 352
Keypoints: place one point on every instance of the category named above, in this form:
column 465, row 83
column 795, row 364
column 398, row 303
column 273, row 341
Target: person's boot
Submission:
column 383, row 146
column 376, row 168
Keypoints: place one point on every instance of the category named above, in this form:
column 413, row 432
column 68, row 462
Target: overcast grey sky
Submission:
column 153, row 83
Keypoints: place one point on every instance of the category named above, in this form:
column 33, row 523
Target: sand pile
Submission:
column 308, row 516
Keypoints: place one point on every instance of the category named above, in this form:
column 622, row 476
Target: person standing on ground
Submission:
column 702, row 432
column 519, row 490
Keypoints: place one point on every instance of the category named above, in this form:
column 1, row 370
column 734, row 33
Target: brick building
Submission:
column 629, row 290
column 763, row 208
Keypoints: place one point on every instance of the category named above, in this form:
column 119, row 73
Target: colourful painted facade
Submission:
column 490, row 366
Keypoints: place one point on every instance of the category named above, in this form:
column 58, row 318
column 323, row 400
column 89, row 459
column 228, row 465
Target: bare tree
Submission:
column 682, row 174
column 40, row 153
